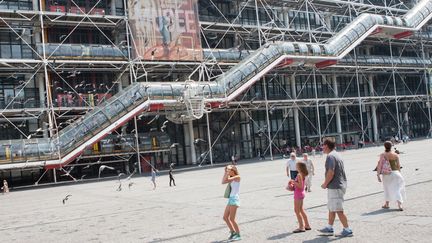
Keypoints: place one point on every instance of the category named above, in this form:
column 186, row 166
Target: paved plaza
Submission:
column 192, row 211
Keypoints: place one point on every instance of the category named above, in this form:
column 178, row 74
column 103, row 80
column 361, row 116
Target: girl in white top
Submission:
column 311, row 171
column 232, row 176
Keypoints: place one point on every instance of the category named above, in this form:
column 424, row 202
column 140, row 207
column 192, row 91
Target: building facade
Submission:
column 60, row 60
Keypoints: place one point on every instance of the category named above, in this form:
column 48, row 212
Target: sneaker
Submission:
column 346, row 233
column 236, row 237
column 232, row 234
column 326, row 230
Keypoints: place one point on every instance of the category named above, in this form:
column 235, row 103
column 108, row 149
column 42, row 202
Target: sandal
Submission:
column 308, row 228
column 385, row 207
column 298, row 231
column 400, row 206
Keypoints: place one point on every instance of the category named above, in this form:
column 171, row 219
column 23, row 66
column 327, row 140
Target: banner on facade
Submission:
column 165, row 29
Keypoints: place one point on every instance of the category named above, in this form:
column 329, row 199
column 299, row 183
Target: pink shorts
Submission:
column 299, row 195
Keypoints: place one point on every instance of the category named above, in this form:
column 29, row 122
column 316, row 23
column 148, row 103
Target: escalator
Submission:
column 187, row 99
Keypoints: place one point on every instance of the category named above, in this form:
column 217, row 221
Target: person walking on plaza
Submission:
column 153, row 177
column 232, row 177
column 393, row 182
column 311, row 171
column 336, row 184
column 171, row 176
column 299, row 195
column 291, row 168
column 233, row 160
column 5, row 187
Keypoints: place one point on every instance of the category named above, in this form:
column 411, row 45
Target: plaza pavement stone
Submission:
column 192, row 211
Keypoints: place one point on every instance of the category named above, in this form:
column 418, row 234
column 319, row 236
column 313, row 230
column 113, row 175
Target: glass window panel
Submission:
column 248, row 68
column 4, row 36
column 260, row 60
column 31, row 151
column 98, row 119
column 235, row 78
column 17, row 151
column 114, row 109
column 4, row 151
column 16, row 51
column 5, row 51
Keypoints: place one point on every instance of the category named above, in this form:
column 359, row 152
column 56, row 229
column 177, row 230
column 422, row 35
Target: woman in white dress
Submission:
column 393, row 182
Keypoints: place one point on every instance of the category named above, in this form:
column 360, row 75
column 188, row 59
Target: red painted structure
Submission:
column 403, row 34
column 324, row 64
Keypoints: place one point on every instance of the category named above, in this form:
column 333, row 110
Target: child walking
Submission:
column 299, row 194
column 232, row 177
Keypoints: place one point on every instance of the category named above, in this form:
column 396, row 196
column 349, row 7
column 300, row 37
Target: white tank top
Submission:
column 235, row 188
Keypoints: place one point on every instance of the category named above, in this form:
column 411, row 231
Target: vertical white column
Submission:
column 367, row 50
column 192, row 148
column 35, row 5
column 39, row 77
column 327, row 20
column 374, row 123
column 369, row 124
column 284, row 17
column 124, row 80
column 137, row 146
column 113, row 7
column 41, row 82
column 209, row 139
column 339, row 137
column 406, row 119
column 428, row 103
column 268, row 120
column 189, row 140
column 296, row 112
column 373, row 110
column 246, row 133
column 50, row 109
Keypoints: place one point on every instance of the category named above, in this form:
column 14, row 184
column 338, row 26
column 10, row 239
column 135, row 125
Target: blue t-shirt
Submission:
column 334, row 162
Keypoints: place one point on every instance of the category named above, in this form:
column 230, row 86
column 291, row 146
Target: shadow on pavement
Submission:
column 381, row 211
column 279, row 236
column 220, row 241
column 208, row 230
column 323, row 238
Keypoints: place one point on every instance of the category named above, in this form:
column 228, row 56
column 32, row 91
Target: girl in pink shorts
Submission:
column 299, row 194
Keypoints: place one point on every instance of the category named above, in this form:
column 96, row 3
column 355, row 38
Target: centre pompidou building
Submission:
column 136, row 84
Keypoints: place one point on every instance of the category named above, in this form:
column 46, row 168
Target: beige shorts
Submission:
column 335, row 199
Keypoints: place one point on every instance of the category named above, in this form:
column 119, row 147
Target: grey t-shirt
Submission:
column 334, row 162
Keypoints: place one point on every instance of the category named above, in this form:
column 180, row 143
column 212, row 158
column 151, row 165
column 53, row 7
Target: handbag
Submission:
column 290, row 186
column 227, row 191
column 384, row 166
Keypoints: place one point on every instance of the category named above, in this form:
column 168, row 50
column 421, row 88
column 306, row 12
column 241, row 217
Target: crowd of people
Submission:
column 300, row 172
